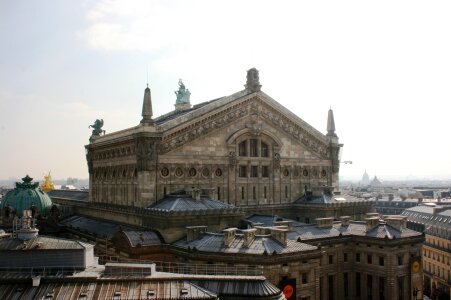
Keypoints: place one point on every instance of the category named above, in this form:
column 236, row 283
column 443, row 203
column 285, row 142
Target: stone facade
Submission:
column 246, row 147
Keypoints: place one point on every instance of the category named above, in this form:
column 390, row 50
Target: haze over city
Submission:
column 382, row 67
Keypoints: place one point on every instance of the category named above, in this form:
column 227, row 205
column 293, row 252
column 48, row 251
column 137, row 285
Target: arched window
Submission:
column 242, row 148
column 264, row 150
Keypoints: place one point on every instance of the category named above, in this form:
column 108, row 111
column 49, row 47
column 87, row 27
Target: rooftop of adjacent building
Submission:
column 287, row 236
column 188, row 201
column 26, row 195
column 132, row 281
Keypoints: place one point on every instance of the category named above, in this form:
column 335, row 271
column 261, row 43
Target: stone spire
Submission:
column 331, row 124
column 147, row 107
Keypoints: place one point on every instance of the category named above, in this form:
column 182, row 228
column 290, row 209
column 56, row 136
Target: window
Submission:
column 254, row 193
column 242, row 193
column 304, row 278
column 264, row 192
column 369, row 259
column 399, row 260
column 331, row 259
column 369, row 286
column 219, row 193
column 254, row 171
column 381, row 261
column 264, row 150
column 357, row 257
column 400, row 288
column 253, row 147
column 286, row 191
column 242, row 148
column 331, row 287
column 265, row 171
column 345, row 285
column 345, row 257
column 381, row 288
column 357, row 285
column 243, row 171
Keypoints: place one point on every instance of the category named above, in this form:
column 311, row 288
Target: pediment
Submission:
column 231, row 109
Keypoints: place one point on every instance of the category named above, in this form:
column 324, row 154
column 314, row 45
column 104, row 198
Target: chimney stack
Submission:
column 288, row 224
column 194, row 232
column 399, row 222
column 345, row 220
column 280, row 235
column 324, row 222
column 229, row 236
column 195, row 194
column 371, row 223
column 249, row 235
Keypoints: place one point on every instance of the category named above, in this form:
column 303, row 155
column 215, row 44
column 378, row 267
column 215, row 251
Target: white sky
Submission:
column 383, row 66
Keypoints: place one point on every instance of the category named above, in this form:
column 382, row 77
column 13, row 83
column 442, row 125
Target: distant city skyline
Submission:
column 382, row 67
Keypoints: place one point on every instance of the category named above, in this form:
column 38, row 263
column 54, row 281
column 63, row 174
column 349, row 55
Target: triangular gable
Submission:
column 215, row 115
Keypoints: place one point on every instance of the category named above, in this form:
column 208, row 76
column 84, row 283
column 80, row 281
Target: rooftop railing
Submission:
column 192, row 268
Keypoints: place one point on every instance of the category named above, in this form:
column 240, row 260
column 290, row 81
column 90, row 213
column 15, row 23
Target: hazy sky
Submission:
column 383, row 66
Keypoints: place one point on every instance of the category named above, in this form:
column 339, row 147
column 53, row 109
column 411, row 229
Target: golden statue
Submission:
column 47, row 185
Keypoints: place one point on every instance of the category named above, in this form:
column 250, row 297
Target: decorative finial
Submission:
column 331, row 124
column 147, row 107
column 253, row 80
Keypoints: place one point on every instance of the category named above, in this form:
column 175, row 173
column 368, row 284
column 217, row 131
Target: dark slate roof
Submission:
column 244, row 288
column 105, row 289
column 268, row 220
column 214, row 242
column 324, row 199
column 92, row 226
column 187, row 203
column 425, row 215
column 142, row 238
column 176, row 113
column 356, row 228
column 42, row 243
column 70, row 194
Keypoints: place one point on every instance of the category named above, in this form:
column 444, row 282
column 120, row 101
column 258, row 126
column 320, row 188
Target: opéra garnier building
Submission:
column 245, row 149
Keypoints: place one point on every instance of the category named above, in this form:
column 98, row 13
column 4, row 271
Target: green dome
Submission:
column 26, row 195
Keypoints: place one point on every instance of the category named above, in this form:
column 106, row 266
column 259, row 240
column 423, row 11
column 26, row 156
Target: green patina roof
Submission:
column 25, row 195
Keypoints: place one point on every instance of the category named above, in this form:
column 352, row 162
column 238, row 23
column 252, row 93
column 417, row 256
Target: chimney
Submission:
column 280, row 235
column 345, row 220
column 324, row 222
column 211, row 193
column 390, row 197
column 195, row 194
column 194, row 232
column 372, row 215
column 371, row 223
column 229, row 236
column 288, row 224
column 438, row 209
column 249, row 235
column 398, row 222
column 262, row 230
column 36, row 280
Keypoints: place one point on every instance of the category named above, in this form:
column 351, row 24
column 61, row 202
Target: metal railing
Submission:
column 192, row 268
